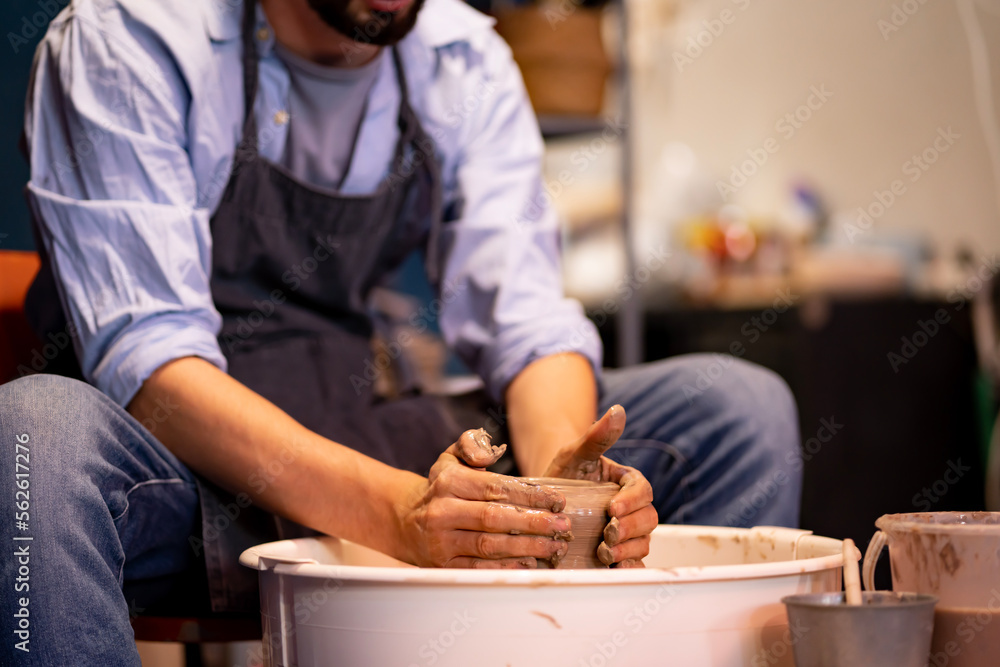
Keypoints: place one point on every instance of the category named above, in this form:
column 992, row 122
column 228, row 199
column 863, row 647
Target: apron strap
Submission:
column 412, row 132
column 248, row 143
column 401, row 78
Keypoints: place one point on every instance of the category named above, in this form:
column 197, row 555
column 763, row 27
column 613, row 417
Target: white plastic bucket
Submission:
column 708, row 597
column 954, row 556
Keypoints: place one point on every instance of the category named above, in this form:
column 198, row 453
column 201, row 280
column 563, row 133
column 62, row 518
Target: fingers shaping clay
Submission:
column 478, row 450
column 587, row 509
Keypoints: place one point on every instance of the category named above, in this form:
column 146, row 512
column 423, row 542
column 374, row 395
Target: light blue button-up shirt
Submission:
column 132, row 121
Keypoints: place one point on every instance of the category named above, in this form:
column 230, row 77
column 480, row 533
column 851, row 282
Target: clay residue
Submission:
column 710, row 540
column 612, row 532
column 548, row 617
column 478, row 450
column 604, row 554
column 556, row 504
column 949, row 559
column 557, row 558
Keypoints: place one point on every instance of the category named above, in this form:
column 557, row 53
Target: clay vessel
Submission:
column 587, row 509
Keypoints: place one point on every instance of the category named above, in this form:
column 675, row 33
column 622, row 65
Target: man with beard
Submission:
column 217, row 187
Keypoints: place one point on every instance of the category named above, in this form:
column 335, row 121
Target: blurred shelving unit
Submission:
column 555, row 127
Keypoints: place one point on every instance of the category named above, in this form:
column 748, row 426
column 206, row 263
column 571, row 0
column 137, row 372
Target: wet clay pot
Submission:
column 587, row 509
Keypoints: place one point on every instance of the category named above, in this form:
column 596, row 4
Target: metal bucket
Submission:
column 887, row 629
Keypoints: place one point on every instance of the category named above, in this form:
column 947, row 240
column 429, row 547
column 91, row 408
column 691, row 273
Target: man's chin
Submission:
column 388, row 6
column 379, row 22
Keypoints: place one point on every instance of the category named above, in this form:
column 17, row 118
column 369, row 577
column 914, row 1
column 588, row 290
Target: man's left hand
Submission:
column 633, row 518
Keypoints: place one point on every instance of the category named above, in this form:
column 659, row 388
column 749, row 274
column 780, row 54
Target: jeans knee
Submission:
column 773, row 395
column 749, row 397
column 61, row 419
column 49, row 402
column 775, row 406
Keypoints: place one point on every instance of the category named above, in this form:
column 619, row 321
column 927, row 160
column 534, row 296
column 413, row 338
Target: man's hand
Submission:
column 464, row 516
column 633, row 518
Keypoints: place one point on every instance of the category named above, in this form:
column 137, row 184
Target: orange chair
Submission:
column 17, row 270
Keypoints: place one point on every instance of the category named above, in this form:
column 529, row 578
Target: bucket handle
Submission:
column 872, row 554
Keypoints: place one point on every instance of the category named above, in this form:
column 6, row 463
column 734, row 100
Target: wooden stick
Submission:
column 852, row 580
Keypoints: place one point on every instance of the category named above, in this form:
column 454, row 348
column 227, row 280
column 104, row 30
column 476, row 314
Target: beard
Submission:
column 353, row 19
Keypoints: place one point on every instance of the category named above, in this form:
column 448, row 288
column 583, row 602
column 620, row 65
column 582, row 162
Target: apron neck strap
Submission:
column 251, row 60
column 404, row 91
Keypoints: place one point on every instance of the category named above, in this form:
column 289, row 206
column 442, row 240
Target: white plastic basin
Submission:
column 708, row 597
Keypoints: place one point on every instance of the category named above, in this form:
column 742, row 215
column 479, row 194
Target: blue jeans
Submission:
column 109, row 510
column 717, row 438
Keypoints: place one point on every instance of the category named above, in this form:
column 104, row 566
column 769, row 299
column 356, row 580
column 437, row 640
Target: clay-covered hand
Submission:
column 633, row 518
column 465, row 516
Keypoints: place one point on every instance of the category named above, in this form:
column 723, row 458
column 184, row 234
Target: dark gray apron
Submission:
column 301, row 339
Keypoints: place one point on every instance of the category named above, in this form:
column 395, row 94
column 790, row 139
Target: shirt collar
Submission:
column 441, row 22
column 222, row 19
column 444, row 22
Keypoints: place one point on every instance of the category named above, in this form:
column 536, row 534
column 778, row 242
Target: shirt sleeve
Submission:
column 114, row 199
column 502, row 297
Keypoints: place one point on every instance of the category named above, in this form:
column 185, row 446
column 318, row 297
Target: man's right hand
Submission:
column 464, row 516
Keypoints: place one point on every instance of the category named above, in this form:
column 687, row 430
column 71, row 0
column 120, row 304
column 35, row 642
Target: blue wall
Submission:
column 19, row 27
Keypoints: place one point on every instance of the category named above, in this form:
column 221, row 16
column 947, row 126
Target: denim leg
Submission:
column 107, row 505
column 717, row 437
